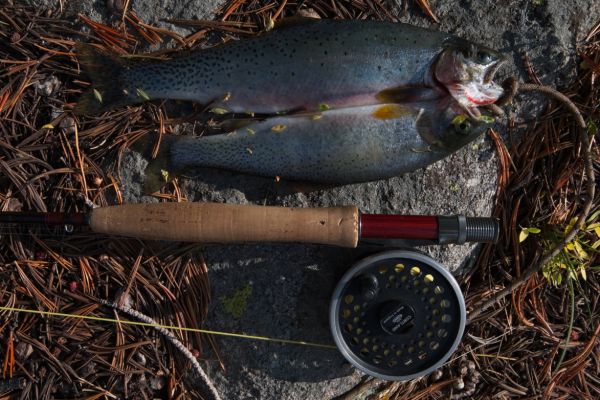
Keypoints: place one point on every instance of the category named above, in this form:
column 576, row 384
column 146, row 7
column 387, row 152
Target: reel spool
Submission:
column 397, row 315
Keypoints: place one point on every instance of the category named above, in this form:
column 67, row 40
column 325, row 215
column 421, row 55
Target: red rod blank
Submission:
column 399, row 226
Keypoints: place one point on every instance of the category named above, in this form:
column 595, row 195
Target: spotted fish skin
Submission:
column 348, row 145
column 334, row 62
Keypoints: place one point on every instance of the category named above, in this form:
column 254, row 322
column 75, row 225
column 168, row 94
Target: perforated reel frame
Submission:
column 421, row 300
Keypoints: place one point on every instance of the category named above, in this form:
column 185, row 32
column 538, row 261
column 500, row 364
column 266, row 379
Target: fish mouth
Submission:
column 491, row 72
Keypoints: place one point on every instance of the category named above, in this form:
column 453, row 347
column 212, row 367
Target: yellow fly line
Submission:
column 178, row 328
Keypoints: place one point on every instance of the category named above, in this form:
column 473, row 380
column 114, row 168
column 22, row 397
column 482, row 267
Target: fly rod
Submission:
column 226, row 223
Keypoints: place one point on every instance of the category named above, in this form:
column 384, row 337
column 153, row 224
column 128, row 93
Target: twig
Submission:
column 581, row 217
column 210, row 389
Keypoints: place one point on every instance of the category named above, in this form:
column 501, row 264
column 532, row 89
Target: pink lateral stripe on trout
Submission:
column 346, row 145
column 340, row 63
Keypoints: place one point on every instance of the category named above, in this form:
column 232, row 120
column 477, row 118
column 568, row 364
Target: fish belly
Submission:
column 315, row 65
column 342, row 146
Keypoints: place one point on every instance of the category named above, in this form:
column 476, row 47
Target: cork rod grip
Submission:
column 227, row 223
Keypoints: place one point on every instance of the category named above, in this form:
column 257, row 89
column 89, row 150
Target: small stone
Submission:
column 97, row 181
column 195, row 353
column 15, row 37
column 72, row 286
column 23, row 351
column 157, row 383
column 459, row 384
column 47, row 86
column 437, row 375
column 140, row 358
column 575, row 336
column 115, row 6
column 68, row 124
column 308, row 13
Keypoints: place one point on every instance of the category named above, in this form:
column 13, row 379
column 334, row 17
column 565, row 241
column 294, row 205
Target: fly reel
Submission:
column 397, row 315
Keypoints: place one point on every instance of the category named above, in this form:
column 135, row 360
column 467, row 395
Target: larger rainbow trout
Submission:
column 346, row 145
column 337, row 63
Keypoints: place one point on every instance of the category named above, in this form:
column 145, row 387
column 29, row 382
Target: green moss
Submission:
column 236, row 303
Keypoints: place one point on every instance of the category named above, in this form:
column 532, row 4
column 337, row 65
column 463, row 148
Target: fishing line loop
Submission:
column 156, row 325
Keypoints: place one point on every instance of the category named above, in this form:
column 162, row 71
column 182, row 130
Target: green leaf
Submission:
column 218, row 110
column 142, row 94
column 594, row 216
column 323, row 107
column 487, row 119
column 592, row 128
column 98, row 95
column 534, row 230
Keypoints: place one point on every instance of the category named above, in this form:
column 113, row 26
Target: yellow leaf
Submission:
column 596, row 244
column 583, row 273
column 251, row 131
column 581, row 252
column 48, row 126
column 523, row 235
column 459, row 119
column 278, row 128
column 165, row 175
column 571, row 224
column 570, row 246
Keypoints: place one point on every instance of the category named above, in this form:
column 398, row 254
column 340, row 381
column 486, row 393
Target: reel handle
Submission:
column 228, row 223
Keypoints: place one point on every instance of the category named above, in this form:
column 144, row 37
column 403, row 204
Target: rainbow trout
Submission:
column 307, row 66
column 346, row 145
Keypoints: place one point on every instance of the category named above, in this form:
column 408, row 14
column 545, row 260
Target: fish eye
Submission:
column 463, row 128
column 483, row 57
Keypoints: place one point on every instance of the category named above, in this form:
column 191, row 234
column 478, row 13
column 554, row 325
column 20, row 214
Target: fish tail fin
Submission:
column 159, row 170
column 105, row 71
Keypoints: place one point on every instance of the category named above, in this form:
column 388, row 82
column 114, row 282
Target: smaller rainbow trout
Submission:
column 346, row 145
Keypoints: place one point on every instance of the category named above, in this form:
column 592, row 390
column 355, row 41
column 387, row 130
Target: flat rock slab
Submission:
column 283, row 291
